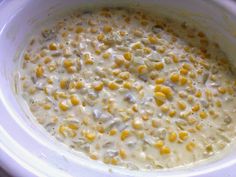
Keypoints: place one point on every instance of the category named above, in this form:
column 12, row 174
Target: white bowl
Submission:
column 25, row 149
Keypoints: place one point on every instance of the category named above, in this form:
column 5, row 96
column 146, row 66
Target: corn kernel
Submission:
column 74, row 100
column 124, row 134
column 172, row 113
column 196, row 108
column 159, row 144
column 159, row 66
column 137, row 45
column 183, row 71
column 122, row 153
column 113, row 86
column 160, row 80
column 203, row 115
column 172, row 136
column 147, row 50
column 112, row 132
column 39, row 71
column 157, row 88
column 160, row 96
column 128, row 56
column 137, row 124
column 73, row 126
column 221, row 90
column 164, row 150
column 141, row 69
column 164, row 108
column 79, row 85
column 190, row 146
column 68, row 63
column 187, row 66
column 79, row 29
column 152, row 39
column 98, row 86
column 106, row 55
column 47, row 106
column 127, row 85
column 100, row 37
column 198, row 94
column 167, row 91
column 183, row 80
column 63, row 106
column 52, row 46
column 93, row 156
column 181, row 105
column 218, row 103
column 183, row 135
column 47, row 60
column 64, row 84
column 107, row 29
column 174, row 77
column 90, row 136
column 124, row 75
column 175, row 59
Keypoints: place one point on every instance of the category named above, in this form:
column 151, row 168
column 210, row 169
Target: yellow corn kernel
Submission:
column 27, row 57
column 112, row 132
column 174, row 77
column 79, row 29
column 196, row 108
column 160, row 80
column 192, row 75
column 198, row 94
column 68, row 63
column 145, row 117
column 106, row 55
column 113, row 86
column 190, row 146
column 39, row 71
column 128, row 56
column 141, row 69
column 100, row 37
column 221, row 90
column 152, row 39
column 172, row 113
column 47, row 106
column 203, row 115
column 90, row 136
column 124, row 75
column 127, row 85
column 172, row 137
column 63, row 106
column 155, row 123
column 122, row 153
column 164, row 108
column 187, row 66
column 124, row 134
column 175, row 59
column 74, row 100
column 164, row 150
column 138, row 45
column 47, row 60
column 218, row 103
column 107, row 29
column 147, row 50
column 137, row 124
column 183, row 71
column 157, row 88
column 52, row 46
column 98, row 86
column 159, row 66
column 167, row 91
column 199, row 127
column 93, row 156
column 73, row 126
column 183, row 80
column 79, row 85
column 160, row 96
column 183, row 135
column 159, row 144
column 181, row 105
column 64, row 84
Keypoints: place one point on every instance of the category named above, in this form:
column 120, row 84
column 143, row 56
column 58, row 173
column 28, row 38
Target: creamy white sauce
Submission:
column 131, row 90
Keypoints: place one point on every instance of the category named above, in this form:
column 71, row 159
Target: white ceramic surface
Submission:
column 25, row 149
